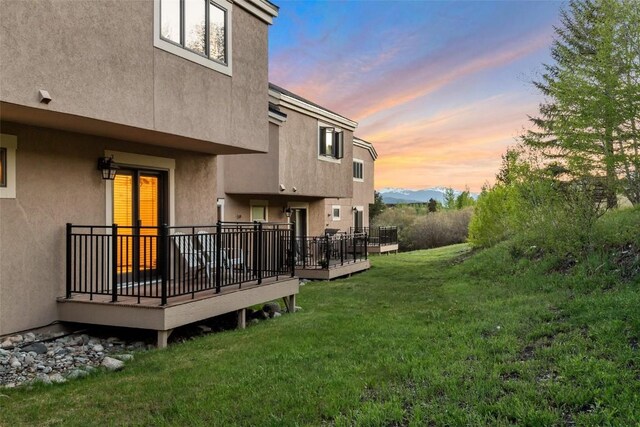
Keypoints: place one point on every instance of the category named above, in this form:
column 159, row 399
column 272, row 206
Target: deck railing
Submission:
column 379, row 236
column 330, row 251
column 165, row 262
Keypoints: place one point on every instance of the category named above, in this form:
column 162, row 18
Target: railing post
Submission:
column 327, row 250
column 68, row 270
column 114, row 263
column 218, row 257
column 366, row 246
column 164, row 260
column 342, row 248
column 254, row 250
column 292, row 232
column 353, row 243
column 303, row 242
column 260, row 254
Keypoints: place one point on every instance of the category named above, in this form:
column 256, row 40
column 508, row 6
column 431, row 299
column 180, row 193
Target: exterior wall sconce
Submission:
column 354, row 209
column 287, row 211
column 108, row 169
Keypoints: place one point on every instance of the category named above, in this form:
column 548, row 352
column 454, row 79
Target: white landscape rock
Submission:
column 112, row 364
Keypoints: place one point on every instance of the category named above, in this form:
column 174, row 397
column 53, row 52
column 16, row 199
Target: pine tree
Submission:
column 589, row 121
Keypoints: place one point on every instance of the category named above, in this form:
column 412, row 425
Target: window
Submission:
column 331, row 142
column 358, row 170
column 335, row 212
column 259, row 211
column 8, row 146
column 197, row 30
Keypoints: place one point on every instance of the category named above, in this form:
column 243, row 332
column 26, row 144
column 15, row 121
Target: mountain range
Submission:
column 396, row 196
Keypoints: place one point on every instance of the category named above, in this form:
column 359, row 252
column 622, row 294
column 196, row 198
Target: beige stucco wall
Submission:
column 57, row 182
column 97, row 60
column 292, row 161
column 237, row 208
column 253, row 173
column 363, row 191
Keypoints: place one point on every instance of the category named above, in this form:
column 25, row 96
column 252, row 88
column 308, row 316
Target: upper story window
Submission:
column 331, row 143
column 358, row 170
column 197, row 30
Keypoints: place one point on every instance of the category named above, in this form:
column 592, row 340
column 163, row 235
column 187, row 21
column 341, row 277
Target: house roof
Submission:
column 366, row 145
column 290, row 94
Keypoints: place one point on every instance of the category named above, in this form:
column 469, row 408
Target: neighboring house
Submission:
column 159, row 89
column 315, row 174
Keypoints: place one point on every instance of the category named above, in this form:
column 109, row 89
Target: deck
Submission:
column 179, row 310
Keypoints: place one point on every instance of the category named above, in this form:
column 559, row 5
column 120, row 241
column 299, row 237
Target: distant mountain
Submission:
column 396, row 196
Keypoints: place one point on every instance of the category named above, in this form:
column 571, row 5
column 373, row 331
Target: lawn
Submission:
column 438, row 337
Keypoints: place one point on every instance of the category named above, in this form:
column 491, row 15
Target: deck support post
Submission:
column 242, row 318
column 290, row 303
column 163, row 338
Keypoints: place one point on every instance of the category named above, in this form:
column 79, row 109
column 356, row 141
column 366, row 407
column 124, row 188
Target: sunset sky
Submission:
column 440, row 88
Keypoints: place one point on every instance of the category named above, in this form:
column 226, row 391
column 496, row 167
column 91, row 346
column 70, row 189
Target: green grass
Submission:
column 438, row 337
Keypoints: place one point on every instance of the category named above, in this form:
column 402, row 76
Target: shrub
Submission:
column 418, row 229
column 440, row 229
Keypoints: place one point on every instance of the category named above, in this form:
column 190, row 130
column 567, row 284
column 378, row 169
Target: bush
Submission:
column 490, row 222
column 418, row 229
column 440, row 229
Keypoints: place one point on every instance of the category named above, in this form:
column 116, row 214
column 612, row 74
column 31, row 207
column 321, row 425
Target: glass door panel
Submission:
column 148, row 203
column 123, row 217
column 137, row 202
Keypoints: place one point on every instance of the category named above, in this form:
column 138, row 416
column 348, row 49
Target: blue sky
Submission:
column 441, row 88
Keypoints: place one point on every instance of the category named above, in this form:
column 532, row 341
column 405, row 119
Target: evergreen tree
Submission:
column 432, row 205
column 588, row 124
column 377, row 207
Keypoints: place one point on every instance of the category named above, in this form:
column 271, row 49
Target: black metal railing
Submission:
column 330, row 251
column 379, row 236
column 164, row 262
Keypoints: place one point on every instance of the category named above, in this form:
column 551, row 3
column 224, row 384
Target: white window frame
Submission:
column 185, row 53
column 362, row 168
column 333, row 212
column 262, row 203
column 10, row 143
column 148, row 162
column 326, row 157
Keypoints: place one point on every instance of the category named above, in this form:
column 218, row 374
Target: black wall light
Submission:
column 108, row 169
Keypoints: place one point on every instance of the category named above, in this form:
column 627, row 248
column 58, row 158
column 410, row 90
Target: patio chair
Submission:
column 230, row 260
column 193, row 258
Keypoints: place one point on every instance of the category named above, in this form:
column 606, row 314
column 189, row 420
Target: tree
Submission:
column 432, row 205
column 377, row 207
column 449, row 200
column 588, row 124
column 464, row 199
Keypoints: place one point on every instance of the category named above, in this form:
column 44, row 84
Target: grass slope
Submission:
column 423, row 338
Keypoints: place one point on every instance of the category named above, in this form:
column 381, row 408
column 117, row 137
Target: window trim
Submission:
column 10, row 144
column 261, row 203
column 361, row 162
column 190, row 55
column 333, row 212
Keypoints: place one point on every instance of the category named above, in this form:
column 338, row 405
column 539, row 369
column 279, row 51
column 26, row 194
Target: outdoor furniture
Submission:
column 193, row 258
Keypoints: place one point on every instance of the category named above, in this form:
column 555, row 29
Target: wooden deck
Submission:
column 179, row 311
column 382, row 249
column 334, row 271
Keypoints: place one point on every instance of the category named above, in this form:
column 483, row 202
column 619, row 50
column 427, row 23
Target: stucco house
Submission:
column 153, row 92
column 315, row 174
